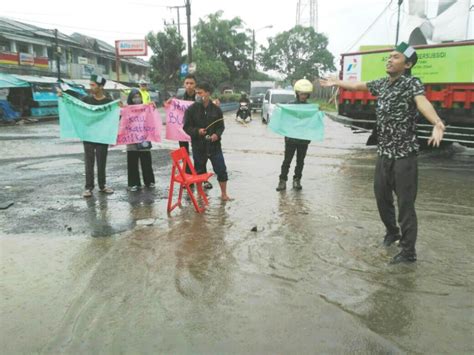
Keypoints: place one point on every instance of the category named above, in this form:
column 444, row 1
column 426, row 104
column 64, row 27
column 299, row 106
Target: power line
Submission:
column 370, row 26
column 148, row 5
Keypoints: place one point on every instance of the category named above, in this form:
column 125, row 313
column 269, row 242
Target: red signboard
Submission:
column 133, row 47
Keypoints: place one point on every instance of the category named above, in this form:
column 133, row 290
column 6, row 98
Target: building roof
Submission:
column 13, row 27
column 23, row 32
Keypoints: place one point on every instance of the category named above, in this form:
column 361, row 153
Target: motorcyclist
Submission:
column 243, row 99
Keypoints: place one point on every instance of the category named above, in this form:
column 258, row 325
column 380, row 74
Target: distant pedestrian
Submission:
column 303, row 89
column 139, row 153
column 204, row 123
column 146, row 98
column 400, row 97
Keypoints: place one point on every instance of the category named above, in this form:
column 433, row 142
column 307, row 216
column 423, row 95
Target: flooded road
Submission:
column 116, row 274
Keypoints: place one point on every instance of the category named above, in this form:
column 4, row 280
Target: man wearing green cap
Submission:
column 95, row 151
column 400, row 98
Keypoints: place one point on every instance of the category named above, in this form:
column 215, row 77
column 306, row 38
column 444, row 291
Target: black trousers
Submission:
column 144, row 158
column 93, row 152
column 216, row 157
column 186, row 145
column 290, row 148
column 399, row 176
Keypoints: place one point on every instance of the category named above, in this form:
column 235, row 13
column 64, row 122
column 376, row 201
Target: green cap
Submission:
column 99, row 80
column 408, row 51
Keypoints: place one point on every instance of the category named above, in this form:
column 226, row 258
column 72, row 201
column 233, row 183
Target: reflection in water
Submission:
column 142, row 205
column 203, row 259
column 98, row 217
column 118, row 292
column 390, row 308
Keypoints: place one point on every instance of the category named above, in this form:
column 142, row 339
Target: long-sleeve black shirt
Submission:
column 197, row 116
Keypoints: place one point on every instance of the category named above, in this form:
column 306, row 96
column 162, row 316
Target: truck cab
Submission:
column 257, row 92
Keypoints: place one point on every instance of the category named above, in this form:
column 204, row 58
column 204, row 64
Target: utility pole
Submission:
column 179, row 21
column 253, row 50
column 254, row 44
column 188, row 17
column 398, row 21
column 117, row 61
column 57, row 53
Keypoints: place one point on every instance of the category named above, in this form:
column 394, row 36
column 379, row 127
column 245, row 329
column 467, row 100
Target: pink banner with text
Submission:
column 175, row 120
column 139, row 123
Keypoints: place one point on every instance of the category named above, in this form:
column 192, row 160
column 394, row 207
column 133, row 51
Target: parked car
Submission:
column 273, row 97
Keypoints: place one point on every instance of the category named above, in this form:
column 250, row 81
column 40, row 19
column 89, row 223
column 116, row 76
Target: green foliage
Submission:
column 224, row 42
column 324, row 105
column 227, row 97
column 214, row 71
column 297, row 53
column 167, row 47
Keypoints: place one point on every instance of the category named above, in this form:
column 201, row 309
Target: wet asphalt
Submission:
column 117, row 275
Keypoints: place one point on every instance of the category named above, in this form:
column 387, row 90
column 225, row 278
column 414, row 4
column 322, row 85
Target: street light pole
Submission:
column 56, row 52
column 253, row 44
column 253, row 50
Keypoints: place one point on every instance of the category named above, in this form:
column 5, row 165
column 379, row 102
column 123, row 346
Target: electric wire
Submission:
column 370, row 26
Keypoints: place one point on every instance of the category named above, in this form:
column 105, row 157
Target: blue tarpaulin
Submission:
column 8, row 113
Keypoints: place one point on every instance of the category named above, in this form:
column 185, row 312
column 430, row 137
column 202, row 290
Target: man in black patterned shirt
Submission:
column 400, row 97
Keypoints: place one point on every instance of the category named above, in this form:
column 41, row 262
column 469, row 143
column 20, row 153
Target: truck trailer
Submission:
column 447, row 72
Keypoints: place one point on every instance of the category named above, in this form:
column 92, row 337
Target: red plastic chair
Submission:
column 181, row 160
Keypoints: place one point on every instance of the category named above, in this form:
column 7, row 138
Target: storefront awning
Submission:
column 109, row 85
column 10, row 81
column 37, row 79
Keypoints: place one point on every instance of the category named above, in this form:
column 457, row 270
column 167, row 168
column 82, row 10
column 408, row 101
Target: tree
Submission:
column 167, row 47
column 211, row 70
column 297, row 53
column 226, row 41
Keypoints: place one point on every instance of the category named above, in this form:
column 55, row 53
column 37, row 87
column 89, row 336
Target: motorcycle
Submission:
column 243, row 113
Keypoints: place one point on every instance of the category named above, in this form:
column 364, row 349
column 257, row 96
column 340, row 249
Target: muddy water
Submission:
column 312, row 278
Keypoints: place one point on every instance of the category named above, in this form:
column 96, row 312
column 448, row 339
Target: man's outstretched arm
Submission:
column 348, row 85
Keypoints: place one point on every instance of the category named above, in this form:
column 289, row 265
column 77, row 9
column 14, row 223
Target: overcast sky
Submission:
column 343, row 21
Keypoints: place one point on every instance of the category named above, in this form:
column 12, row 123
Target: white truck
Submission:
column 257, row 92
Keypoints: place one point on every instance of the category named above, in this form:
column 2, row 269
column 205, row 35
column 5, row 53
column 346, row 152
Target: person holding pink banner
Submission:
column 139, row 153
